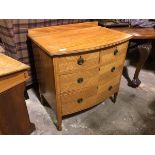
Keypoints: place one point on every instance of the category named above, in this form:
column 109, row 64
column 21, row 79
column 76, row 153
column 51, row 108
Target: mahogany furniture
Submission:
column 78, row 65
column 14, row 118
column 144, row 37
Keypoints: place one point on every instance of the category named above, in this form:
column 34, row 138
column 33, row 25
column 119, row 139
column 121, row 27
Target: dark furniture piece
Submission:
column 144, row 37
column 14, row 118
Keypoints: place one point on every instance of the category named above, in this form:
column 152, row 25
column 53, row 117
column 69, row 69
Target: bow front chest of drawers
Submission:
column 78, row 65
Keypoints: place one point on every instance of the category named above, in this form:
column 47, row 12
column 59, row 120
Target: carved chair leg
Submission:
column 144, row 51
column 126, row 74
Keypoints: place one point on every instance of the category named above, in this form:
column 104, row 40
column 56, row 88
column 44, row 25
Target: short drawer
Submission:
column 80, row 100
column 69, row 64
column 78, row 80
column 108, row 89
column 110, row 71
column 114, row 54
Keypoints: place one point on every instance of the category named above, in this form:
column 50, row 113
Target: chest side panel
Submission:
column 45, row 75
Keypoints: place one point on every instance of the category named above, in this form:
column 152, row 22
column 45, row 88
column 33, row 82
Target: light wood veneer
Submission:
column 78, row 65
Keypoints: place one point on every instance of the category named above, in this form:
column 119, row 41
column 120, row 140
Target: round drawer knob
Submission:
column 110, row 88
column 115, row 52
column 80, row 61
column 113, row 69
column 80, row 100
column 79, row 80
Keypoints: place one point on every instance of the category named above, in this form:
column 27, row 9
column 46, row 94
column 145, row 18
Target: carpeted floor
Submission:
column 133, row 113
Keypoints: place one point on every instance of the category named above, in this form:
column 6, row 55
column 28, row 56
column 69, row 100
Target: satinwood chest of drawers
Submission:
column 78, row 65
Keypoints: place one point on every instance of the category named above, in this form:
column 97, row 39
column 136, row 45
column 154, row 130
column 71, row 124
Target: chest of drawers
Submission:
column 78, row 65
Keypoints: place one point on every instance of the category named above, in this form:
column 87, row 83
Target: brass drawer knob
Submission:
column 80, row 61
column 80, row 100
column 115, row 52
column 113, row 69
column 79, row 80
column 110, row 88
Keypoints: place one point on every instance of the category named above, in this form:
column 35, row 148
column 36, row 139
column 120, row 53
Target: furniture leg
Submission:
column 41, row 100
column 144, row 51
column 59, row 123
column 26, row 94
column 59, row 116
column 113, row 99
column 14, row 118
column 57, row 120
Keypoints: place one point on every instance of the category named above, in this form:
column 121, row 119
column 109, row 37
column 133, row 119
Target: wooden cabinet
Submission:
column 78, row 68
column 14, row 118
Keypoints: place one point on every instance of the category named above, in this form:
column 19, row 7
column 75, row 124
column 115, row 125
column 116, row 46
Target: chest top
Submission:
column 75, row 38
column 9, row 65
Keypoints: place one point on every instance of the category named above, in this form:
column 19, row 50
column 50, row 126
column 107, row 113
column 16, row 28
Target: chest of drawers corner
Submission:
column 78, row 65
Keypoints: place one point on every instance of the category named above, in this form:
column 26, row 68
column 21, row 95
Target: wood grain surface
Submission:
column 9, row 81
column 9, row 65
column 14, row 118
column 79, row 80
column 108, row 55
column 78, row 100
column 35, row 32
column 69, row 64
column 79, row 40
column 104, row 90
column 48, row 82
column 78, row 66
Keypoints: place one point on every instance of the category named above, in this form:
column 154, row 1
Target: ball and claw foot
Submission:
column 134, row 83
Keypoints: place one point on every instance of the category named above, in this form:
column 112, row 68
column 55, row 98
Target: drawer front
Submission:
column 79, row 80
column 108, row 89
column 79, row 100
column 12, row 80
column 69, row 64
column 110, row 71
column 113, row 54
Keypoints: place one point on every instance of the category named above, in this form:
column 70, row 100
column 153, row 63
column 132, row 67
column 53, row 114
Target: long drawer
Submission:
column 78, row 80
column 74, row 63
column 79, row 100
